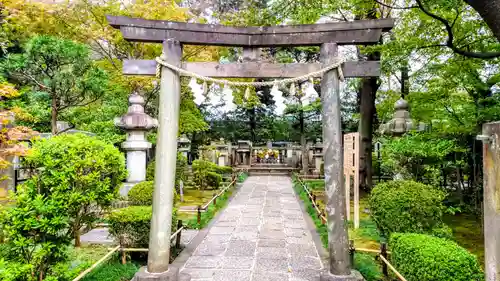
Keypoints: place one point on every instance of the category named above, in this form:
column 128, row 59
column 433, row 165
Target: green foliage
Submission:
column 443, row 231
column 15, row 271
column 223, row 170
column 201, row 168
column 180, row 169
column 60, row 69
column 113, row 271
column 406, row 206
column 74, row 178
column 206, row 173
column 242, row 177
column 79, row 259
column 81, row 170
column 420, row 257
column 417, row 156
column 320, row 227
column 212, row 210
column 142, row 193
column 214, row 179
column 131, row 225
column 367, row 266
column 315, row 184
column 210, row 213
column 36, row 233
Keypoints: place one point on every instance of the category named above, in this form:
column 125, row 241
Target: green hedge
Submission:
column 130, row 226
column 420, row 257
column 223, row 170
column 406, row 206
column 214, row 179
column 142, row 193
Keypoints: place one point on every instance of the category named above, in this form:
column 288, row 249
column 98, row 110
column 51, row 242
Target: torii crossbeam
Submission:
column 175, row 34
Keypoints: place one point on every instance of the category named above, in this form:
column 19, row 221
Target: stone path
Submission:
column 260, row 236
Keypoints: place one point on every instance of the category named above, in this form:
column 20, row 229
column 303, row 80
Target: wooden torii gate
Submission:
column 175, row 34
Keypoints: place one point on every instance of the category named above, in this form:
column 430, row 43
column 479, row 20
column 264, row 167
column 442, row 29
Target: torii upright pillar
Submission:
column 166, row 154
column 338, row 242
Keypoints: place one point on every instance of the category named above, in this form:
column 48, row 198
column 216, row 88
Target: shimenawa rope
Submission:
column 335, row 65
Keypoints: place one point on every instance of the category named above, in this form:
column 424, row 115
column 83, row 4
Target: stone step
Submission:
column 273, row 169
column 251, row 173
column 269, row 165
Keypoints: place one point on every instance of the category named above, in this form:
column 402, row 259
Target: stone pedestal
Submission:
column 136, row 123
column 136, row 147
column 354, row 276
column 172, row 274
column 318, row 160
column 221, row 161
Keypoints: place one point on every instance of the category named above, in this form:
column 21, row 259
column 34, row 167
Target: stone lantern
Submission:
column 318, row 155
column 401, row 122
column 136, row 123
column 184, row 146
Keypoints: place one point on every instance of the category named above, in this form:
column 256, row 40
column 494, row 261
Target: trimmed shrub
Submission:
column 214, row 179
column 406, row 206
column 420, row 257
column 223, row 170
column 442, row 232
column 82, row 171
column 142, row 193
column 131, row 225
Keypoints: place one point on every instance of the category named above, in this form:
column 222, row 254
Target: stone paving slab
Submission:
column 101, row 236
column 260, row 236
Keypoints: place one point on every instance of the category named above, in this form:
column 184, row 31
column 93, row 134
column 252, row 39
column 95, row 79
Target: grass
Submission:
column 467, row 232
column 367, row 236
column 195, row 197
column 213, row 209
column 113, row 271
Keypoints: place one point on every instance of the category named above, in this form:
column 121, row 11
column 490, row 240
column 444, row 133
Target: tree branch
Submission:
column 452, row 112
column 449, row 43
column 393, row 7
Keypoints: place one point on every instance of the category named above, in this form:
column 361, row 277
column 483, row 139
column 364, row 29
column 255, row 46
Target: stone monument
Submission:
column 318, row 155
column 136, row 123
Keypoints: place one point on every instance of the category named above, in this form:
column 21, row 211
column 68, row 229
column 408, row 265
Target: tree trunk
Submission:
column 367, row 110
column 405, row 82
column 53, row 119
column 303, row 144
column 78, row 242
column 490, row 12
column 253, row 124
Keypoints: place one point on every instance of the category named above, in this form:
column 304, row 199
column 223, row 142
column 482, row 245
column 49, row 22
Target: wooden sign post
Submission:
column 351, row 168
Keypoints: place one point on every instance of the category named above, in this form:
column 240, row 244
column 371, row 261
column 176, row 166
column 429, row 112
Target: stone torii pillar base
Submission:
column 354, row 276
column 172, row 274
